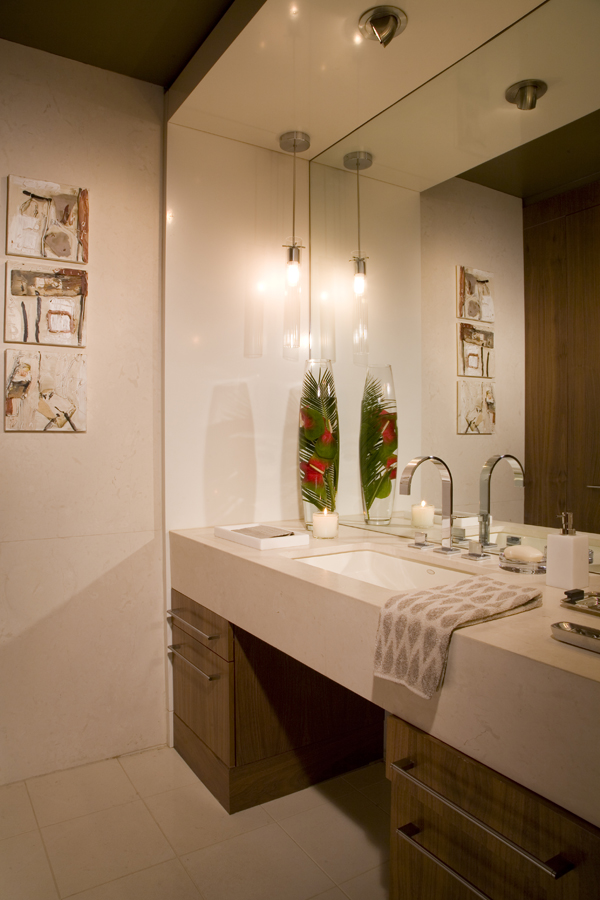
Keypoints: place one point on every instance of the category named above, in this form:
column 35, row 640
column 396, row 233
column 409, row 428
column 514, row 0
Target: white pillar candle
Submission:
column 325, row 524
column 422, row 515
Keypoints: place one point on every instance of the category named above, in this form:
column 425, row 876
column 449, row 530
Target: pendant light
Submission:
column 293, row 142
column 355, row 161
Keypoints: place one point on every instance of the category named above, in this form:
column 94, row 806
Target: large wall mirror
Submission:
column 476, row 163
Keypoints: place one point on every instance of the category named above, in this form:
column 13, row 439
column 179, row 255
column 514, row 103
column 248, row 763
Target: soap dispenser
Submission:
column 567, row 557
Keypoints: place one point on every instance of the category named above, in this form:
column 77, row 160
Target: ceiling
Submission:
column 300, row 65
column 563, row 159
column 152, row 40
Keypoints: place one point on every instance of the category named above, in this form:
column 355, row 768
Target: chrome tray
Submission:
column 589, row 603
column 579, row 635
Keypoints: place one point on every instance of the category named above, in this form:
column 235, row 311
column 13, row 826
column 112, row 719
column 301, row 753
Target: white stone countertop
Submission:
column 513, row 697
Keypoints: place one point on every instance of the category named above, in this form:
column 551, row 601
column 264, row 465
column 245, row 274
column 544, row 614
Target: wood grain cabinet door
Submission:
column 203, row 694
column 486, row 829
column 204, row 625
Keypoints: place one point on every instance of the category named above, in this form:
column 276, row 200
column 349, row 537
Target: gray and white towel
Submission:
column 415, row 627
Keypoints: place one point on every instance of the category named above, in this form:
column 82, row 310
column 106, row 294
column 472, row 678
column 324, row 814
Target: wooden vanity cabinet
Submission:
column 253, row 723
column 482, row 847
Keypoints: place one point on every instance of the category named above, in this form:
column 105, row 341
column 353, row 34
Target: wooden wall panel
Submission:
column 546, row 387
column 583, row 253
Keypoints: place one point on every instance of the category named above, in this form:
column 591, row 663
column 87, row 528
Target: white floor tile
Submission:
column 24, row 870
column 334, row 894
column 168, row 881
column 261, row 865
column 91, row 850
column 16, row 814
column 284, row 807
column 360, row 778
column 346, row 837
column 155, row 771
column 380, row 794
column 80, row 791
column 371, row 885
column 191, row 818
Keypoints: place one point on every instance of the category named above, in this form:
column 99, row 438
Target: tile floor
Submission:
column 142, row 827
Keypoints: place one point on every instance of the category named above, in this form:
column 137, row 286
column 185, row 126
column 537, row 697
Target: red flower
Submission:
column 327, row 437
column 307, row 421
column 312, row 471
column 391, row 464
column 388, row 426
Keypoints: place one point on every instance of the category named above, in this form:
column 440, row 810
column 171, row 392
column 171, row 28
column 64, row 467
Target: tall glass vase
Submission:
column 378, row 445
column 319, row 443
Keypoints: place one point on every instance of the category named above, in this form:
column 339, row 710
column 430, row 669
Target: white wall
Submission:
column 231, row 421
column 467, row 224
column 82, row 661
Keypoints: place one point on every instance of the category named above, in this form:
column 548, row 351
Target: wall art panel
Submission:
column 45, row 305
column 47, row 220
column 476, row 356
column 474, row 294
column 45, row 391
column 476, row 406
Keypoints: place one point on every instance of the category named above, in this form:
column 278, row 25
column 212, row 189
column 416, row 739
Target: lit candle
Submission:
column 325, row 524
column 422, row 515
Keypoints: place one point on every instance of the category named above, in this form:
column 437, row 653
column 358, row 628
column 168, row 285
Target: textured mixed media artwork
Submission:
column 45, row 305
column 474, row 294
column 476, row 357
column 476, row 407
column 47, row 220
column 45, row 390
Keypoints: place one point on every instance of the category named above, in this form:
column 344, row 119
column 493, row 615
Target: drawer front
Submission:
column 205, row 626
column 469, row 846
column 203, row 694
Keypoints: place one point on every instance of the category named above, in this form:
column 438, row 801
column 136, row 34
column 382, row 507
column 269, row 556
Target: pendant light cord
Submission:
column 358, row 201
column 294, row 201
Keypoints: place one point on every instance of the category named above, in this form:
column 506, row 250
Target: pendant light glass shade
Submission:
column 356, row 161
column 292, row 142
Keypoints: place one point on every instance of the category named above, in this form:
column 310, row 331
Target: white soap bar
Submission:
column 523, row 553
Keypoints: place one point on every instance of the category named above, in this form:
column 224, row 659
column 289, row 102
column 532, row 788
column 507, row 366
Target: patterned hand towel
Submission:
column 415, row 627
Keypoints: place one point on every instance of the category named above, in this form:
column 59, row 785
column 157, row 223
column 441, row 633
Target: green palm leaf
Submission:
column 319, row 417
column 373, row 450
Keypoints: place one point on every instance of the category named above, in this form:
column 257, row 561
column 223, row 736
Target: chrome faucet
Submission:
column 405, row 482
column 484, row 491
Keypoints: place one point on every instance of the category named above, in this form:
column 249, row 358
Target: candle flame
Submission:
column 423, row 503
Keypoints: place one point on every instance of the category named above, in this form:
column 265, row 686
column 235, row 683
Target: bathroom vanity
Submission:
column 511, row 738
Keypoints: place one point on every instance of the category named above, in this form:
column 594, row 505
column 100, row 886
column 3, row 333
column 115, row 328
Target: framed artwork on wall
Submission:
column 474, row 294
column 45, row 305
column 45, row 390
column 476, row 356
column 476, row 406
column 47, row 220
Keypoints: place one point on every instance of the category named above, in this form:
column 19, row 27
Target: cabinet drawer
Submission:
column 493, row 845
column 205, row 626
column 203, row 694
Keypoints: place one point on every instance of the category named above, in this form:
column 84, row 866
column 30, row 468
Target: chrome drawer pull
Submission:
column 408, row 832
column 593, row 487
column 175, row 614
column 204, row 675
column 555, row 867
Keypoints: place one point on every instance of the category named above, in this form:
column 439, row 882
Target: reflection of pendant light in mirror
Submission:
column 293, row 142
column 356, row 161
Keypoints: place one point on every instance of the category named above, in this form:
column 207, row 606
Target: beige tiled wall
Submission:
column 81, row 664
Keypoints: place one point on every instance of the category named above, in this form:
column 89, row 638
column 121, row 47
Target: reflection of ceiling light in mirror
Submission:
column 357, row 160
column 293, row 10
column 357, row 39
column 526, row 93
column 169, row 216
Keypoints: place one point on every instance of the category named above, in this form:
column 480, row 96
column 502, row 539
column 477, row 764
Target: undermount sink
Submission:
column 383, row 570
